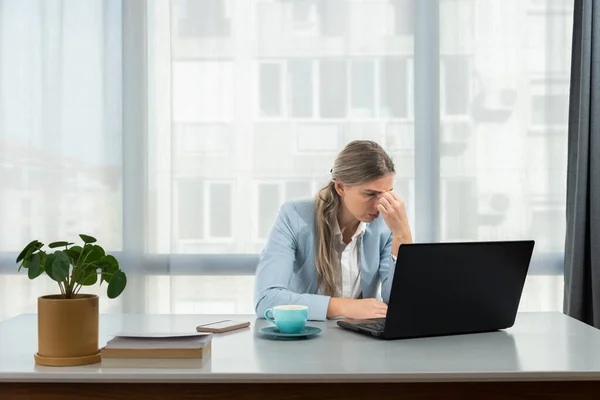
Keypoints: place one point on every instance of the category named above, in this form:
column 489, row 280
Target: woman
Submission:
column 331, row 253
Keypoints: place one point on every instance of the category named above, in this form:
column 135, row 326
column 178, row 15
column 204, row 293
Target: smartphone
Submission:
column 222, row 326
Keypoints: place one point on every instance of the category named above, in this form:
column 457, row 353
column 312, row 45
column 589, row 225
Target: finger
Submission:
column 395, row 196
column 384, row 202
column 390, row 196
column 382, row 209
column 379, row 315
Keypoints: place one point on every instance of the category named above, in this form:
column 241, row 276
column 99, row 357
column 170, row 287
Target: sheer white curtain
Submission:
column 60, row 134
column 173, row 130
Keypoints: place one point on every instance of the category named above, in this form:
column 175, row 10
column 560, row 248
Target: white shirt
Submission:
column 348, row 256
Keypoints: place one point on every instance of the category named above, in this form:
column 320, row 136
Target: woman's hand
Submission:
column 393, row 211
column 356, row 308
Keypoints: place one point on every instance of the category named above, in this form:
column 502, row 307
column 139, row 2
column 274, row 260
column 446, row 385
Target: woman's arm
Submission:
column 274, row 270
column 393, row 211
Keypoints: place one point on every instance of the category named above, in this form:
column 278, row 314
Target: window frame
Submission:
column 135, row 109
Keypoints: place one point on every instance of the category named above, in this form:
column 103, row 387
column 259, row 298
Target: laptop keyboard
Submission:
column 377, row 324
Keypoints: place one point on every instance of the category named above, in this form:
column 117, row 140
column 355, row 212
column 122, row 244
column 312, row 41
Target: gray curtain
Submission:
column 582, row 246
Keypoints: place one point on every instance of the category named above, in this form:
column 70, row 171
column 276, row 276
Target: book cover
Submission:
column 158, row 345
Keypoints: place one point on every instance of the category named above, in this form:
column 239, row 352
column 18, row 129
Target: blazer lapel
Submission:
column 363, row 267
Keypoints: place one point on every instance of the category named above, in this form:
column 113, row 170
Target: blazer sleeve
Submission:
column 275, row 269
column 387, row 267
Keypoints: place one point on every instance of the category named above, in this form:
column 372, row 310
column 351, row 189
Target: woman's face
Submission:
column 361, row 201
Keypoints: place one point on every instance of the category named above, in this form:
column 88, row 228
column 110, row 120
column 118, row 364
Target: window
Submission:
column 202, row 91
column 203, row 210
column 244, row 105
column 549, row 103
column 460, row 207
column 220, row 217
column 203, row 138
column 546, row 219
column 27, row 217
column 297, row 190
column 202, row 18
column 362, row 77
column 268, row 206
column 271, row 195
column 336, row 88
column 551, row 109
column 456, row 79
column 318, row 137
column 270, row 90
column 332, row 89
column 304, row 16
column 395, row 93
column 403, row 17
column 190, row 210
column 333, row 17
column 300, row 78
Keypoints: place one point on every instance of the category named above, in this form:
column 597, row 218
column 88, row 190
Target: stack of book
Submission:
column 186, row 350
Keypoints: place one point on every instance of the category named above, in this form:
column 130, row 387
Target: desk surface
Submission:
column 541, row 346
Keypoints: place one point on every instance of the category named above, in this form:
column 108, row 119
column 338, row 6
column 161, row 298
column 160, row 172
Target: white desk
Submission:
column 540, row 347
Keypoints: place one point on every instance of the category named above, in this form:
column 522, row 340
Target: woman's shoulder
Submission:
column 303, row 209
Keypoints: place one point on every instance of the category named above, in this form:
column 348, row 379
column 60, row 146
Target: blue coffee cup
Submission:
column 289, row 318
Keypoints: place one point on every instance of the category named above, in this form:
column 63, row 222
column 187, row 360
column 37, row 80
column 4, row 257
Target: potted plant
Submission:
column 68, row 322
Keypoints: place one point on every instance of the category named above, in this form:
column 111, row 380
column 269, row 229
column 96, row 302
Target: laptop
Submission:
column 451, row 288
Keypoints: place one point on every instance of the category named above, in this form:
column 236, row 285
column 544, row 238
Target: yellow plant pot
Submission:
column 68, row 330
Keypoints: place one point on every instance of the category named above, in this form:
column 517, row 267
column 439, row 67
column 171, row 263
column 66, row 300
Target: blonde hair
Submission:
column 360, row 162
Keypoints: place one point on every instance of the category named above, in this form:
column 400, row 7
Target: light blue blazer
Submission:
column 286, row 272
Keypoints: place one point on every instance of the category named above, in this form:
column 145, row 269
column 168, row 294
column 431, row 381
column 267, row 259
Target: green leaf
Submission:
column 108, row 260
column 116, row 285
column 58, row 267
column 59, row 244
column 90, row 279
column 31, row 245
column 36, row 266
column 82, row 274
column 87, row 239
column 108, row 263
column 109, row 266
column 48, row 263
column 74, row 253
column 24, row 264
column 93, row 253
column 27, row 258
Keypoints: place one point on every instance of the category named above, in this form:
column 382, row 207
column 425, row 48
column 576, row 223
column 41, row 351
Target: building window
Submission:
column 550, row 109
column 304, row 16
column 300, row 81
column 190, row 210
column 220, row 210
column 461, row 209
column 332, row 88
column 404, row 17
column 270, row 90
column 455, row 85
column 333, row 17
column 549, row 103
column 394, row 88
column 362, row 79
column 336, row 88
column 271, row 195
column 203, row 210
column 268, row 206
column 202, row 18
